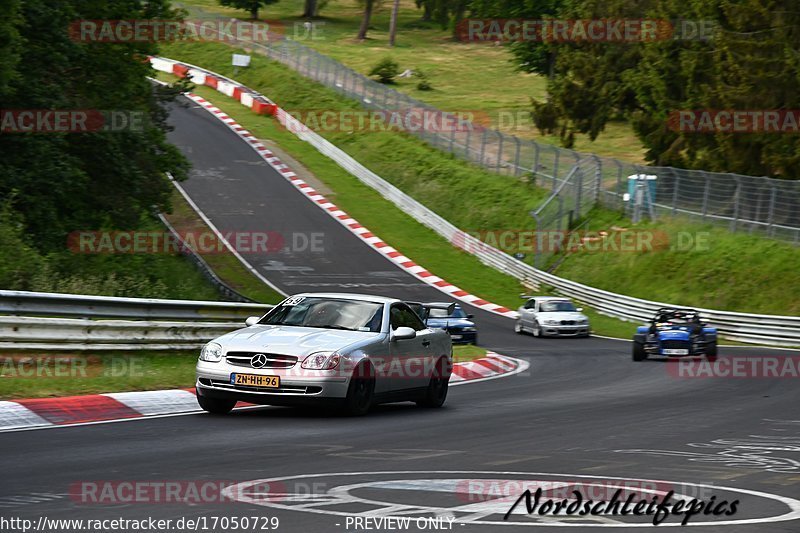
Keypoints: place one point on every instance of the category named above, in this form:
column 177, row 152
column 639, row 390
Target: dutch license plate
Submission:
column 676, row 351
column 254, row 380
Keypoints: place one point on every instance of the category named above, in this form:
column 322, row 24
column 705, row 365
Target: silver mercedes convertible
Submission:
column 349, row 351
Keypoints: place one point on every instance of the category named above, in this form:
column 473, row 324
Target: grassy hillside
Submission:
column 464, row 76
column 729, row 271
column 22, row 267
column 718, row 270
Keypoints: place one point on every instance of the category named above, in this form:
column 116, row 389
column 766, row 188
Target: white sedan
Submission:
column 345, row 350
column 551, row 316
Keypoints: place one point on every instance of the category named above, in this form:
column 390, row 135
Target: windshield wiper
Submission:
column 332, row 326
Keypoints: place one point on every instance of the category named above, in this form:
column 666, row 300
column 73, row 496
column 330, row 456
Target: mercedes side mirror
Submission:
column 252, row 321
column 403, row 333
column 470, row 316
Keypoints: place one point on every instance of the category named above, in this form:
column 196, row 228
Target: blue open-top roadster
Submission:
column 675, row 333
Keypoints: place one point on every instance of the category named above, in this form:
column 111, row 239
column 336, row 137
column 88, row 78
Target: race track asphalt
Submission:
column 582, row 409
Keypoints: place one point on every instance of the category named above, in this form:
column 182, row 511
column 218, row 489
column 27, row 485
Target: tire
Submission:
column 638, row 351
column 361, row 391
column 216, row 406
column 537, row 330
column 711, row 351
column 436, row 394
column 518, row 327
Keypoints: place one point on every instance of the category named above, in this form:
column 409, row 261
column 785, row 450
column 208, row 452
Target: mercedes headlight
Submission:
column 321, row 361
column 211, row 352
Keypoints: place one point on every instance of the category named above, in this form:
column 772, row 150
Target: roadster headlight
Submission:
column 551, row 322
column 321, row 361
column 469, row 328
column 211, row 352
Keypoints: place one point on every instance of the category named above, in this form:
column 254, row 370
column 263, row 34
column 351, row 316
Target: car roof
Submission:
column 350, row 296
column 551, row 299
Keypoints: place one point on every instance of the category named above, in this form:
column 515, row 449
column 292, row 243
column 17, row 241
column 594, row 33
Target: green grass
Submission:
column 465, row 76
column 427, row 174
column 36, row 375
column 26, row 375
column 467, row 352
column 719, row 270
column 757, row 274
column 142, row 275
column 224, row 264
column 382, row 217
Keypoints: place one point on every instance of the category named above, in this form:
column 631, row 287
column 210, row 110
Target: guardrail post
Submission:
column 483, row 147
column 555, row 165
column 599, row 177
column 499, row 151
column 518, row 147
column 705, row 196
column 771, row 218
column 675, row 191
column 736, row 195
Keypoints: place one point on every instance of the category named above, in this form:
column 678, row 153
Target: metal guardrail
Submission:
column 225, row 290
column 82, row 334
column 53, row 321
column 29, row 304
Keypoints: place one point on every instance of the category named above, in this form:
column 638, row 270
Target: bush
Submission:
column 424, row 83
column 18, row 260
column 386, row 70
column 23, row 267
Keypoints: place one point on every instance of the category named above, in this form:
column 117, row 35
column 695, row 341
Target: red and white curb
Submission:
column 262, row 105
column 490, row 367
column 41, row 413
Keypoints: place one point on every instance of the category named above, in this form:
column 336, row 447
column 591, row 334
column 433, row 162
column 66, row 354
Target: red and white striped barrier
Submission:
column 262, row 105
column 38, row 413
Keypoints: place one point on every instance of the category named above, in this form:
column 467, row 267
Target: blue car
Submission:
column 449, row 317
column 675, row 333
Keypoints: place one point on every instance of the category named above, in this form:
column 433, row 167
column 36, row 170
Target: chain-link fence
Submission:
column 570, row 200
column 744, row 203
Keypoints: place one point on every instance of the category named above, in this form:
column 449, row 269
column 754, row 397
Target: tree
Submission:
column 749, row 61
column 427, row 9
column 369, row 6
column 309, row 9
column 252, row 6
column 393, row 22
column 10, row 42
column 65, row 181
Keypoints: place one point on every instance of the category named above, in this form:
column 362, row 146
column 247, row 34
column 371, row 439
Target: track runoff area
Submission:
column 583, row 439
